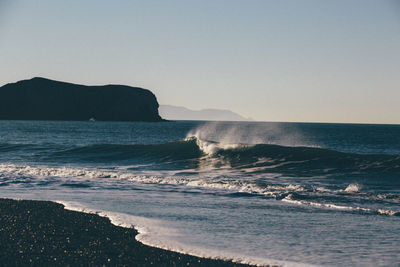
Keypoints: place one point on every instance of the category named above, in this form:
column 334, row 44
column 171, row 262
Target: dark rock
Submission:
column 41, row 233
column 44, row 99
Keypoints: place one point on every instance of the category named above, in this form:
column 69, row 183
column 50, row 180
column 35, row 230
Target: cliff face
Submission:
column 43, row 99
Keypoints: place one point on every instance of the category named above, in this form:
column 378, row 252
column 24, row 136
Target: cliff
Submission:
column 44, row 99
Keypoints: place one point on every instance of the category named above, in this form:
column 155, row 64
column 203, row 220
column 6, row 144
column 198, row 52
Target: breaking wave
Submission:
column 189, row 152
column 15, row 175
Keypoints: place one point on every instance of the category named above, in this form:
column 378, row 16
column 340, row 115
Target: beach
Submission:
column 43, row 233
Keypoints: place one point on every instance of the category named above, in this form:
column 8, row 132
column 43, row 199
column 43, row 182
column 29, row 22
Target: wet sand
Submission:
column 43, row 233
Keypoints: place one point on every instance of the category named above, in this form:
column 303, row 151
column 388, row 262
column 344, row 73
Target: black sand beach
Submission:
column 42, row 233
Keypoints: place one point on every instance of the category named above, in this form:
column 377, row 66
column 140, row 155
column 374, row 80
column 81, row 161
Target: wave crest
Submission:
column 211, row 147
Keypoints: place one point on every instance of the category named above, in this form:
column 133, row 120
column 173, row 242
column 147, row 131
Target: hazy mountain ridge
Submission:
column 182, row 113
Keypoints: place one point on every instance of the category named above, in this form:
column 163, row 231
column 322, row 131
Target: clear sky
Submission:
column 309, row 60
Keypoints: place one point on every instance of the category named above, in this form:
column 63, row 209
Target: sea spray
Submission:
column 211, row 147
column 252, row 133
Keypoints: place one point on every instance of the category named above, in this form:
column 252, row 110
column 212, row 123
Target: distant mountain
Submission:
column 181, row 113
column 44, row 99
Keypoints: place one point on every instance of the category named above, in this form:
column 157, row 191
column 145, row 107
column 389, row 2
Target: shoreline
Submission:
column 45, row 233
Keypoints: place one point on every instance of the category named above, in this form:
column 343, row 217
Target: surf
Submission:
column 195, row 153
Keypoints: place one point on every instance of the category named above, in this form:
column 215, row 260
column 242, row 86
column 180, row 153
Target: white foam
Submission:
column 203, row 182
column 322, row 189
column 388, row 212
column 273, row 191
column 155, row 233
column 210, row 148
column 353, row 188
column 289, row 199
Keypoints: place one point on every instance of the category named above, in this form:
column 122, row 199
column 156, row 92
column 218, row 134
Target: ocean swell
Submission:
column 194, row 153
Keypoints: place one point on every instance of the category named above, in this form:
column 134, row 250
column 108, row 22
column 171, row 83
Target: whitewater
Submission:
column 290, row 194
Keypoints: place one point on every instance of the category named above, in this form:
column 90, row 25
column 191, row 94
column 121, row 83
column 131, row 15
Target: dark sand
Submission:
column 43, row 233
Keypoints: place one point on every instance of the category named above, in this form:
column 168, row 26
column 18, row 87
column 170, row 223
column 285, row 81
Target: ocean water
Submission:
column 264, row 193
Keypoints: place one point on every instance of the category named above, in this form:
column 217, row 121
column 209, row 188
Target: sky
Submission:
column 309, row 60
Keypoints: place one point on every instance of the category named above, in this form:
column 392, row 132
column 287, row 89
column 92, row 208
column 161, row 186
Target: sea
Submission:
column 286, row 194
